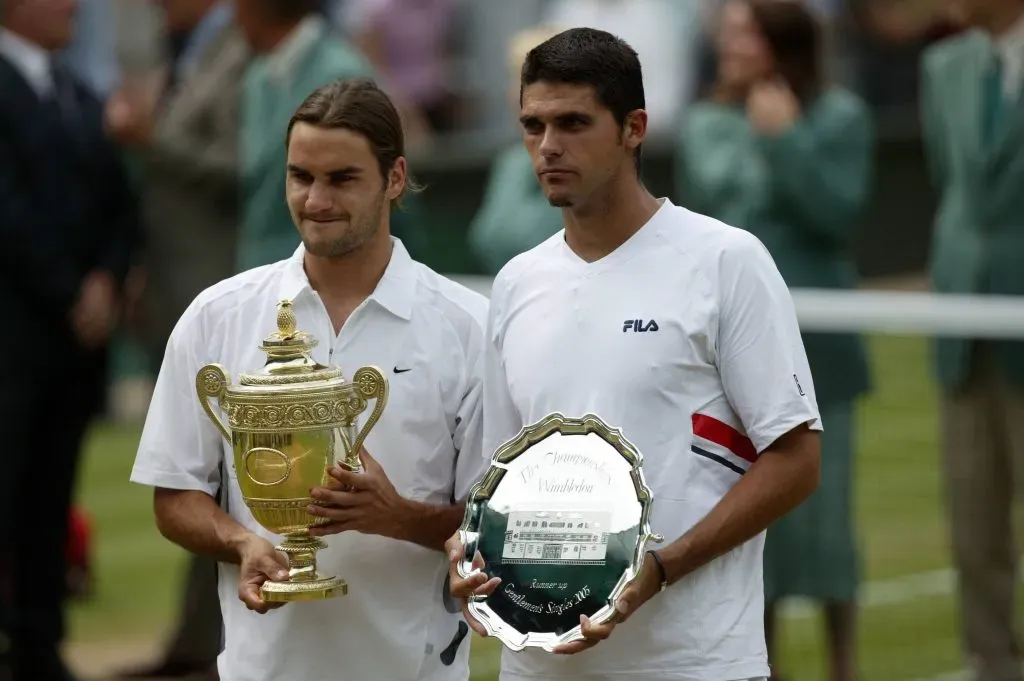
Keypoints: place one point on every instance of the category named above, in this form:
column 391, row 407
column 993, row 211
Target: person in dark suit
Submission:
column 186, row 141
column 69, row 228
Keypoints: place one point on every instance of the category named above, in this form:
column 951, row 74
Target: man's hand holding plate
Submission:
column 643, row 588
column 475, row 585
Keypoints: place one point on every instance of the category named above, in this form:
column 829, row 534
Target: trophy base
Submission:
column 312, row 590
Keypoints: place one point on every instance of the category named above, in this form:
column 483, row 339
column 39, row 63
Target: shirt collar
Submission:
column 30, row 60
column 283, row 60
column 395, row 291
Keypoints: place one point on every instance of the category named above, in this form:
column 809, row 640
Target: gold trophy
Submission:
column 287, row 424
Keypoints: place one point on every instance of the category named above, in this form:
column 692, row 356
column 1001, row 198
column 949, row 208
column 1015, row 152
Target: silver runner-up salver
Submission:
column 562, row 517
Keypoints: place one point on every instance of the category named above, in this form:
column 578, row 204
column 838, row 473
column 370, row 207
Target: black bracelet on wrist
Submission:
column 661, row 568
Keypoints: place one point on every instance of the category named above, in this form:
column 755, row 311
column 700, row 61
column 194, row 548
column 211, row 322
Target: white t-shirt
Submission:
column 686, row 338
column 426, row 333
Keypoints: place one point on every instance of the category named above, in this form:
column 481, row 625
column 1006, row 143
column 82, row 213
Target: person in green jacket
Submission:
column 972, row 109
column 515, row 216
column 776, row 152
column 297, row 52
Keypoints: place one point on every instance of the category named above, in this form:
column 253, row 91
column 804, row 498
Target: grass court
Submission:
column 909, row 630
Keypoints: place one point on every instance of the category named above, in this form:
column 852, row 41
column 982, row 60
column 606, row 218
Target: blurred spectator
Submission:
column 515, row 215
column 833, row 16
column 186, row 137
column 191, row 26
column 777, row 152
column 297, row 52
column 904, row 21
column 92, row 58
column 885, row 45
column 664, row 34
column 705, row 67
column 92, row 54
column 69, row 226
column 973, row 128
column 409, row 43
column 187, row 141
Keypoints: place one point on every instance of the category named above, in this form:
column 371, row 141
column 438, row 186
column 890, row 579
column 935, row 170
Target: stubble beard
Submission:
column 354, row 237
column 561, row 201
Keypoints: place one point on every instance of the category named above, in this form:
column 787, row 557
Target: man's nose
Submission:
column 550, row 144
column 319, row 198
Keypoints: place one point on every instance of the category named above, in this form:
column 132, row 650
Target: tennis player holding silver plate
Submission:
column 561, row 517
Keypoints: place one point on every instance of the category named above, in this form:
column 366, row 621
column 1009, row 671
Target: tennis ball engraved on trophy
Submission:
column 287, row 425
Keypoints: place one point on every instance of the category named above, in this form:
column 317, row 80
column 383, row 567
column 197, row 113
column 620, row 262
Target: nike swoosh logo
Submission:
column 401, row 371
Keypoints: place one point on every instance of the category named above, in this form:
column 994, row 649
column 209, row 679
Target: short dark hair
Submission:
column 587, row 56
column 359, row 105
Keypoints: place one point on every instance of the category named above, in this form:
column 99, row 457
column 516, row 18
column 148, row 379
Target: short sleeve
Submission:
column 760, row 353
column 469, row 428
column 502, row 420
column 180, row 447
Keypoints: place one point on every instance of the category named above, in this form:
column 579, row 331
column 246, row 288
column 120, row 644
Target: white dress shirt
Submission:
column 426, row 333
column 29, row 59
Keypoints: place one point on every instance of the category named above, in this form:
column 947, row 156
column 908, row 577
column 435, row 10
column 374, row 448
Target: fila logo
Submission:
column 639, row 326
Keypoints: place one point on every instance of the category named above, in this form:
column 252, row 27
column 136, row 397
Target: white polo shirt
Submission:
column 426, row 334
column 686, row 338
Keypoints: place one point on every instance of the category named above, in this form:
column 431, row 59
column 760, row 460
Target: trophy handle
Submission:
column 371, row 384
column 212, row 381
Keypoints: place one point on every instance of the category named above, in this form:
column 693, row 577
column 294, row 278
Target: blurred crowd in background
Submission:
column 145, row 161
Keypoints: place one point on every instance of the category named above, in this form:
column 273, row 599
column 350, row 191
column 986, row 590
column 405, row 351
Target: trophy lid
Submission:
column 288, row 355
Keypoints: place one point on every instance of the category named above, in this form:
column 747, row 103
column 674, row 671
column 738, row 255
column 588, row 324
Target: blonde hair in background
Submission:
column 522, row 43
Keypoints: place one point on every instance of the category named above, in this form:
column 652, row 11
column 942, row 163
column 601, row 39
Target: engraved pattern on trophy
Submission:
column 294, row 412
column 563, row 518
column 287, row 425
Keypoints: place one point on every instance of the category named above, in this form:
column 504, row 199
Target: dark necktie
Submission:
column 64, row 95
column 65, row 99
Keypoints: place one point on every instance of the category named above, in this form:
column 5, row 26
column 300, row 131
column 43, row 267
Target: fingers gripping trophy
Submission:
column 287, row 425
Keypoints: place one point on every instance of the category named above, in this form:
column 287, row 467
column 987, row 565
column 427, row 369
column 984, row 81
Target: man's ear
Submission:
column 634, row 129
column 396, row 179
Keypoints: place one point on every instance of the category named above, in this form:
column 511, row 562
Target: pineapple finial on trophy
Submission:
column 288, row 345
column 286, row 322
